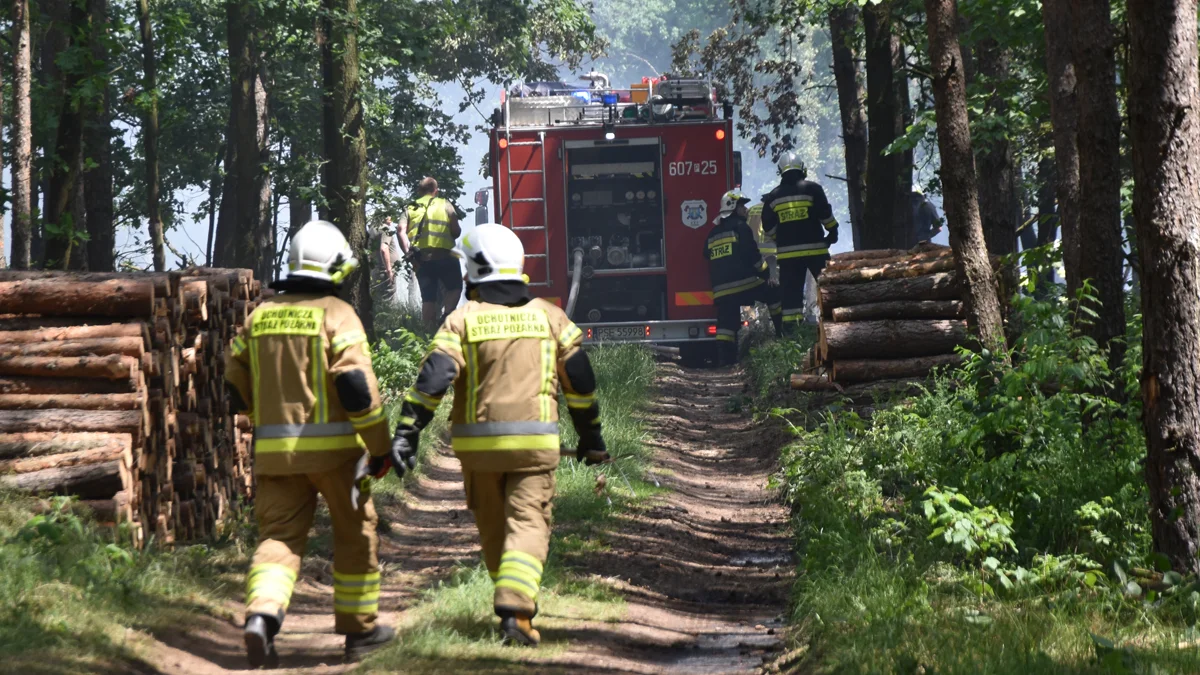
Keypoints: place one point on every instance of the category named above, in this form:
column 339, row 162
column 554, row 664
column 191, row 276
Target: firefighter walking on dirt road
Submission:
column 798, row 217
column 506, row 355
column 428, row 228
column 302, row 369
column 738, row 273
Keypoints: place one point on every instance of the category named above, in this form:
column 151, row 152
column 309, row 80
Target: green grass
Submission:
column 67, row 592
column 453, row 625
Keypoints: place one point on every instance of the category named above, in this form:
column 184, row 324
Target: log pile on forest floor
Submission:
column 888, row 318
column 112, row 390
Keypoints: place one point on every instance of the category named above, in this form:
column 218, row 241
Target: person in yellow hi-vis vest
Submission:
column 506, row 355
column 302, row 369
column 428, row 228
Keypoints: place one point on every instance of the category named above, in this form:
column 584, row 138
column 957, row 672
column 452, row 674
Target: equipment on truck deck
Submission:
column 612, row 192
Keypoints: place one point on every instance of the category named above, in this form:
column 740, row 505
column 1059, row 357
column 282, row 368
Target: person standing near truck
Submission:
column 506, row 355
column 738, row 274
column 428, row 228
column 799, row 219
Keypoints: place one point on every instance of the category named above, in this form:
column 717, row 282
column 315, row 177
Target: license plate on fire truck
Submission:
column 618, row 333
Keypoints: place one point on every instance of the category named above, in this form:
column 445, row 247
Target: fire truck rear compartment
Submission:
column 615, row 216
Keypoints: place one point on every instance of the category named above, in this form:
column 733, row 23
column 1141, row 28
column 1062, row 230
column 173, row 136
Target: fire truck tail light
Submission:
column 720, row 134
column 503, row 143
column 712, row 330
column 589, row 333
column 647, row 331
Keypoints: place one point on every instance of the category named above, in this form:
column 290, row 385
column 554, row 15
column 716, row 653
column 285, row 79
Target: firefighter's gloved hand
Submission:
column 404, row 451
column 832, row 237
column 377, row 467
column 592, row 451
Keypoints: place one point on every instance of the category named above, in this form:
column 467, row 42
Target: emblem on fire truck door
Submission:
column 695, row 213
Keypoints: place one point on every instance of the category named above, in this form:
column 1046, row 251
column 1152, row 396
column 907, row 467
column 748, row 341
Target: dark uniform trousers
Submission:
column 729, row 317
column 792, row 278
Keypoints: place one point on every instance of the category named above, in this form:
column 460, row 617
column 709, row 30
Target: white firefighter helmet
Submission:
column 320, row 251
column 729, row 203
column 492, row 253
column 790, row 161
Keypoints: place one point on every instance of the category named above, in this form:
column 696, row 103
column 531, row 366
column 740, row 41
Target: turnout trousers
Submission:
column 512, row 512
column 284, row 506
column 791, row 283
column 729, row 317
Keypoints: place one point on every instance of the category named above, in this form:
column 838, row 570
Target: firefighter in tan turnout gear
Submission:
column 302, row 369
column 506, row 355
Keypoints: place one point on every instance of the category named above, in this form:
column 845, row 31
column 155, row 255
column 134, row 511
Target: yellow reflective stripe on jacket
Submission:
column 580, row 401
column 254, row 380
column 356, row 593
column 803, row 253
column 548, row 395
column 733, row 287
column 520, row 572
column 308, row 444
column 484, row 436
column 369, row 418
column 569, row 335
column 830, row 223
column 317, row 380
column 472, row 382
column 270, row 581
column 448, row 340
column 238, row 346
column 426, row 401
column 341, row 342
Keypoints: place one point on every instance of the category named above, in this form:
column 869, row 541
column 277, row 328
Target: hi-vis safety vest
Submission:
column 429, row 223
column 510, row 364
column 286, row 364
column 766, row 245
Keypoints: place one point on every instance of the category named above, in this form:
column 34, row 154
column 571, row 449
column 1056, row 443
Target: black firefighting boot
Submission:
column 359, row 645
column 727, row 354
column 517, row 629
column 259, row 635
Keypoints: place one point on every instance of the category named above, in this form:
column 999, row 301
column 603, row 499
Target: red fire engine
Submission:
column 613, row 193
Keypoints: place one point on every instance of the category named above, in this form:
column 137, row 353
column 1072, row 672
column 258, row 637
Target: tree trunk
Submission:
column 22, row 170
column 958, row 177
column 346, row 150
column 1164, row 102
column 3, row 255
column 72, row 401
column 998, row 205
column 248, row 216
column 901, row 309
column 109, row 421
column 150, row 136
column 114, row 330
column 264, row 226
column 887, row 216
column 88, row 481
column 870, row 370
column 943, row 286
column 225, row 245
column 98, row 180
column 843, row 23
column 33, row 385
column 1047, row 220
column 1101, row 254
column 842, row 264
column 892, row 338
column 899, row 270
column 54, row 297
column 68, row 152
column 1064, row 114
column 214, row 193
column 126, row 346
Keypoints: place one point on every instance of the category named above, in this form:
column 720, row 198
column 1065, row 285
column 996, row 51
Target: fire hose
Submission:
column 576, row 274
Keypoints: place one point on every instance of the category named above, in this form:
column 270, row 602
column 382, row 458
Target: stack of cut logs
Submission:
column 112, row 390
column 888, row 318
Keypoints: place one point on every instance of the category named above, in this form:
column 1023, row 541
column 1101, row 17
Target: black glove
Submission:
column 404, row 451
column 377, row 467
column 832, row 237
column 592, row 451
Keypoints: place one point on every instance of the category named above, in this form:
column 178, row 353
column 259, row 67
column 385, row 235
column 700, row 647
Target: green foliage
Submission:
column 1002, row 510
column 771, row 362
column 396, row 360
column 68, row 590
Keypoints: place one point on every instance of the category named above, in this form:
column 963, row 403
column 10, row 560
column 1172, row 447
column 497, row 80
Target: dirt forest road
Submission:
column 704, row 569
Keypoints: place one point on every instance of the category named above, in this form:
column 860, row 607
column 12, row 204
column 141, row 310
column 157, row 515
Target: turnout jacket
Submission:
column 301, row 368
column 507, row 363
column 735, row 263
column 797, row 216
